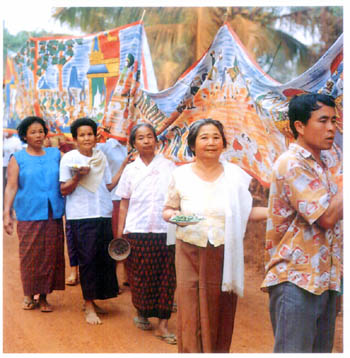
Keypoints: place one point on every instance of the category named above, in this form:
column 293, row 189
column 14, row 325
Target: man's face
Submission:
column 318, row 134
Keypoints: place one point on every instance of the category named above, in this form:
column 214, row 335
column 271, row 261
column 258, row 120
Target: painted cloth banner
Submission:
column 228, row 85
column 64, row 78
column 110, row 77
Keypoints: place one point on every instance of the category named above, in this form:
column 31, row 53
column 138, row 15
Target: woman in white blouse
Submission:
column 209, row 254
column 151, row 263
column 86, row 182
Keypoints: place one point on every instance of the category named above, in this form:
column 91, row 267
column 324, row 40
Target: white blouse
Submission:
column 194, row 196
column 82, row 203
column 146, row 188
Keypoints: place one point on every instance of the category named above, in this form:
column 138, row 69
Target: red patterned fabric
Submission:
column 41, row 252
column 151, row 274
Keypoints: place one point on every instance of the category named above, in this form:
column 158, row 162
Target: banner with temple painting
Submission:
column 228, row 85
column 64, row 78
column 109, row 77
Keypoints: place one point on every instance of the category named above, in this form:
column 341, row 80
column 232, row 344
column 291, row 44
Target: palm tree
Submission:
column 178, row 36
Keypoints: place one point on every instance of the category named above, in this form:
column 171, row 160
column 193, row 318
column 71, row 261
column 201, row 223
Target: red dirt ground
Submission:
column 65, row 330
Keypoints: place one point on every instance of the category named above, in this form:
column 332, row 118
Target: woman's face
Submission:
column 145, row 143
column 35, row 135
column 209, row 143
column 86, row 139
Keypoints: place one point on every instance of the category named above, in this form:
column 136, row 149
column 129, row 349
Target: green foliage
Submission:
column 16, row 43
column 178, row 36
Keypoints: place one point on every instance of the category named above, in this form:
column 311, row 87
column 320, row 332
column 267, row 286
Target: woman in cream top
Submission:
column 209, row 255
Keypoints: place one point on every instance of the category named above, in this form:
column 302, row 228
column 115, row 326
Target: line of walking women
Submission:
column 209, row 270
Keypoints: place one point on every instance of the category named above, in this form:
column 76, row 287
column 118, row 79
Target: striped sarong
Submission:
column 41, row 254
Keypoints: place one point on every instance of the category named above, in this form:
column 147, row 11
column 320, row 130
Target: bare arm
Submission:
column 10, row 193
column 258, row 213
column 123, row 210
column 333, row 213
column 115, row 179
column 70, row 185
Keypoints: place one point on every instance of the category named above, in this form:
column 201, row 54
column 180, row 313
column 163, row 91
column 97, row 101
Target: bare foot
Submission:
column 92, row 318
column 97, row 308
column 90, row 313
column 73, row 278
column 162, row 329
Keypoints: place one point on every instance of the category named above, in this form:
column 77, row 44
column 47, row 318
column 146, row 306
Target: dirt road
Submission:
column 65, row 330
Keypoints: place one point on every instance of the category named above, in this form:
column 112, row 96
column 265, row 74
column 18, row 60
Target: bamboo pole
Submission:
column 198, row 32
column 143, row 14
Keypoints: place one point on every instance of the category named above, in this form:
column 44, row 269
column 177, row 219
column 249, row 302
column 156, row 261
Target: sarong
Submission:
column 97, row 270
column 41, row 254
column 72, row 251
column 151, row 274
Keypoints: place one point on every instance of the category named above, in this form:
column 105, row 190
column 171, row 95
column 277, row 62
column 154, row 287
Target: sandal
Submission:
column 28, row 304
column 169, row 338
column 44, row 305
column 143, row 324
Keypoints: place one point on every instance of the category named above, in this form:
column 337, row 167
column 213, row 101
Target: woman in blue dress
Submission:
column 33, row 189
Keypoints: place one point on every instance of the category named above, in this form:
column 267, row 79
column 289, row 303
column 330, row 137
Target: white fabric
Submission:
column 239, row 206
column 10, row 145
column 82, row 203
column 97, row 163
column 115, row 153
column 145, row 187
column 171, row 234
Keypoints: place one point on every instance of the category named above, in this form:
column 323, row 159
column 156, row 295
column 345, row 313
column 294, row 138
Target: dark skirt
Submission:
column 41, row 254
column 72, row 251
column 97, row 269
column 151, row 274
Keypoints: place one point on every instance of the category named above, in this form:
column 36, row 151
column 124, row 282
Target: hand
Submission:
column 83, row 171
column 170, row 213
column 8, row 224
column 99, row 137
column 129, row 158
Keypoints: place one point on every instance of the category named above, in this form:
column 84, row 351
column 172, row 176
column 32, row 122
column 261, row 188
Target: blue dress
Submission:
column 38, row 186
column 39, row 208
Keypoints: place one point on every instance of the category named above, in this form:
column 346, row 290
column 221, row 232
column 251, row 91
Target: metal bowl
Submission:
column 119, row 249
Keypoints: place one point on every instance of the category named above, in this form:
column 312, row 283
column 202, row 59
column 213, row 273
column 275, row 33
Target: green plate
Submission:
column 186, row 219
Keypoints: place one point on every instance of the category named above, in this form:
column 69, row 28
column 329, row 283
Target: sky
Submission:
column 38, row 19
column 35, row 15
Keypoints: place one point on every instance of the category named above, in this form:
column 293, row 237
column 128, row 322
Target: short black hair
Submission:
column 85, row 121
column 26, row 122
column 301, row 106
column 195, row 127
column 134, row 129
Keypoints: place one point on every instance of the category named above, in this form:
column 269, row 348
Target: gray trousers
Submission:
column 302, row 322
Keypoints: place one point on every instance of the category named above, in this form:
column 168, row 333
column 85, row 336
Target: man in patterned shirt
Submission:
column 303, row 256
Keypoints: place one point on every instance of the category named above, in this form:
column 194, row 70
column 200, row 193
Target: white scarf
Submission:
column 238, row 208
column 97, row 165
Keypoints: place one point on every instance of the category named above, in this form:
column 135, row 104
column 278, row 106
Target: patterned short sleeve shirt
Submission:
column 297, row 249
